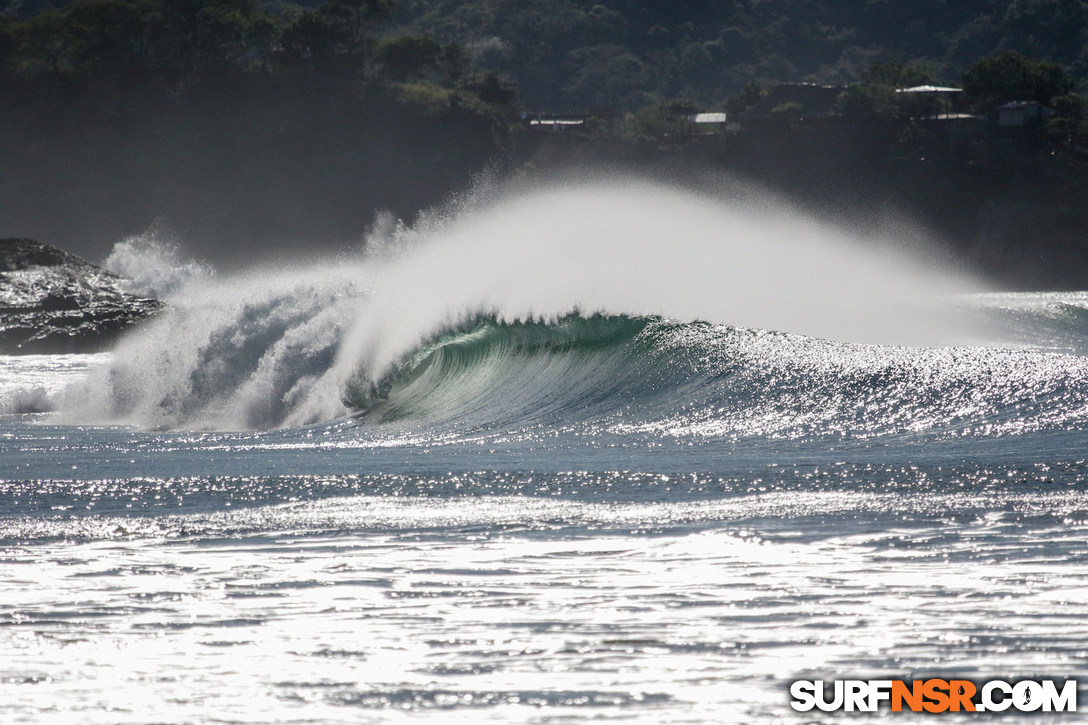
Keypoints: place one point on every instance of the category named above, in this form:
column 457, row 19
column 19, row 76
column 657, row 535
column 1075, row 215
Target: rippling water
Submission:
column 524, row 577
column 548, row 607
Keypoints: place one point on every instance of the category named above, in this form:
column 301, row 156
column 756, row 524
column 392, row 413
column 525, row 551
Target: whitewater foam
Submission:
column 236, row 353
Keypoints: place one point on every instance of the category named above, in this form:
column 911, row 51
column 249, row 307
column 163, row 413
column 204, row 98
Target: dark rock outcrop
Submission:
column 54, row 302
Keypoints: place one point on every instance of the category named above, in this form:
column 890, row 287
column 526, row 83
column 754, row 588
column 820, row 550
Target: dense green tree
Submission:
column 897, row 75
column 110, row 33
column 44, row 43
column 1012, row 77
column 1047, row 28
column 752, row 94
column 309, row 40
column 7, row 44
column 1069, row 126
column 209, row 35
column 607, row 76
column 659, row 122
column 413, row 57
column 357, row 18
column 493, row 89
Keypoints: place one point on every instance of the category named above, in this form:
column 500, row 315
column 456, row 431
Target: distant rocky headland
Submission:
column 55, row 302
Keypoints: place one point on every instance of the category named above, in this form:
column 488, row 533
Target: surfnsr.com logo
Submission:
column 934, row 695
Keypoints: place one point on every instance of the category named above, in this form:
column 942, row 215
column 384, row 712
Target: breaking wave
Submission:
column 636, row 306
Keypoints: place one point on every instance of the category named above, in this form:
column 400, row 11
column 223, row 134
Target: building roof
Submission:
column 1016, row 105
column 707, row 118
column 929, row 89
column 556, row 122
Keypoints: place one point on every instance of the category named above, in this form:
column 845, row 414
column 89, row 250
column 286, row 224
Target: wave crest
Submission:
column 468, row 361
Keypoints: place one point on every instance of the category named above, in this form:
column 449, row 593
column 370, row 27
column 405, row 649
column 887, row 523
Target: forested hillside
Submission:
column 247, row 123
column 574, row 54
column 579, row 54
column 238, row 122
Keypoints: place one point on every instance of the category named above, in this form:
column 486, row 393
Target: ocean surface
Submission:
column 609, row 452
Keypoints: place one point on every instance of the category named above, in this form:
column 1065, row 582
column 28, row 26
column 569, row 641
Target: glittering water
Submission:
column 681, row 568
column 276, row 505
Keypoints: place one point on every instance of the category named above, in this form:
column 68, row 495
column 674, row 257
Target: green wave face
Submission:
column 651, row 376
column 468, row 368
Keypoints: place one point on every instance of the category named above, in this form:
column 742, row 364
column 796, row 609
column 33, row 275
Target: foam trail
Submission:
column 280, row 349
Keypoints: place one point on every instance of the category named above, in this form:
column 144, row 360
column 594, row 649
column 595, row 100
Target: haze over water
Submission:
column 606, row 450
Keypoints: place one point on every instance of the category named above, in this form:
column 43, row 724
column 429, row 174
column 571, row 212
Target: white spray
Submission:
column 152, row 263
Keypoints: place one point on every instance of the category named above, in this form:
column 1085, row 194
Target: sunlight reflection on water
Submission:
column 515, row 610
